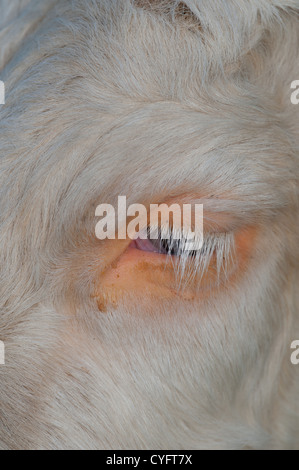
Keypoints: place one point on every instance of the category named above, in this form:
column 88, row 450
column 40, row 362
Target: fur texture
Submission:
column 148, row 99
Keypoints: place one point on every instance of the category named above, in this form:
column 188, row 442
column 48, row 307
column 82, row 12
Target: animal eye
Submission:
column 190, row 256
column 171, row 242
column 157, row 266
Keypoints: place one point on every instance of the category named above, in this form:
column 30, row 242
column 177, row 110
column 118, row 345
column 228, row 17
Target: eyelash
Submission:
column 189, row 265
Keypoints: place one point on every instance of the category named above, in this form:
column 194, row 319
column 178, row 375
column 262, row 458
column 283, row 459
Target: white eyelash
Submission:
column 187, row 267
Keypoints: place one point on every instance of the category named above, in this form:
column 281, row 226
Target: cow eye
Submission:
column 172, row 242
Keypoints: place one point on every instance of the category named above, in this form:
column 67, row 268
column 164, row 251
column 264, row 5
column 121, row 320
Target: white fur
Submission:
column 105, row 98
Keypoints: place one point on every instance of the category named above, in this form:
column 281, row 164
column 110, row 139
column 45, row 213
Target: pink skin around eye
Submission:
column 144, row 245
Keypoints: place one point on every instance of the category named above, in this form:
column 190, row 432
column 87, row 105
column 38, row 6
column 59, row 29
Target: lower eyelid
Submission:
column 144, row 245
column 152, row 275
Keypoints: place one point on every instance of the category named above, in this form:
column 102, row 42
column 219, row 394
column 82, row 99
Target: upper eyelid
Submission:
column 156, row 230
column 212, row 240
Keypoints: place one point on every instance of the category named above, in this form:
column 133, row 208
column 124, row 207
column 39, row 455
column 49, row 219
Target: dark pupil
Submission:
column 169, row 246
